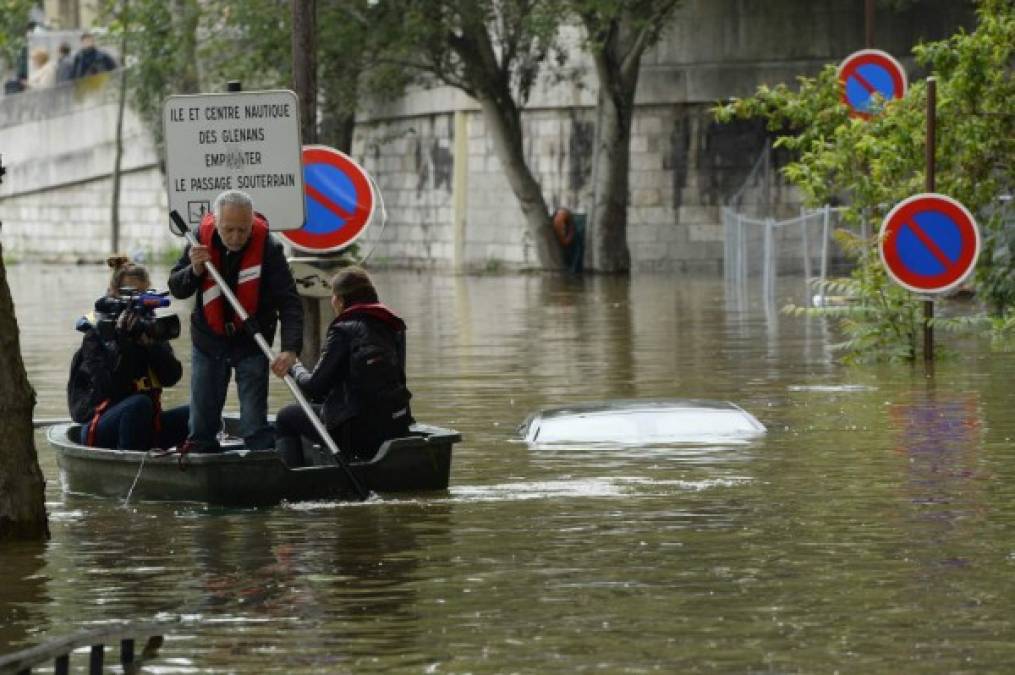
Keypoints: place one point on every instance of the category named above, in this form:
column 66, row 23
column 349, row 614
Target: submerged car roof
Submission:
column 638, row 422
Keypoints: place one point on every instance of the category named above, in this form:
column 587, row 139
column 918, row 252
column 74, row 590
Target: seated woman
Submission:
column 116, row 380
column 360, row 376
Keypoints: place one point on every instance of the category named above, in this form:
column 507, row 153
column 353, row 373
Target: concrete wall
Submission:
column 448, row 203
column 58, row 146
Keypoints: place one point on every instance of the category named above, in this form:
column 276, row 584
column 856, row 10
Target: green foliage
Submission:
column 13, row 21
column 881, row 320
column 644, row 20
column 490, row 50
column 1000, row 329
column 872, row 165
column 159, row 41
column 353, row 46
column 252, row 43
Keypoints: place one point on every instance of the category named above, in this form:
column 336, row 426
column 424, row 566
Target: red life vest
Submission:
column 248, row 282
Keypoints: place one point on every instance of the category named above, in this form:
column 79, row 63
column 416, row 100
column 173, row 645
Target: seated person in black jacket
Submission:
column 116, row 381
column 360, row 376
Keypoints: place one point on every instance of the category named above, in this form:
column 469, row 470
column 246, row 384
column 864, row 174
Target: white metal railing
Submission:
column 755, row 248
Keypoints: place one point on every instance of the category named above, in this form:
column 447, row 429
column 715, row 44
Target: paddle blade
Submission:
column 176, row 224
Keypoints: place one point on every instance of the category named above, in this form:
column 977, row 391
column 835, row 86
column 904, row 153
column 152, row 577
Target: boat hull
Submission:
column 239, row 477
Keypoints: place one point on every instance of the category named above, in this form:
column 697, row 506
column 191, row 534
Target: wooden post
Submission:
column 126, row 651
column 304, row 53
column 95, row 659
column 928, row 305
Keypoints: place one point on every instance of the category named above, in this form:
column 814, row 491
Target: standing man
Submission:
column 65, row 65
column 235, row 239
column 90, row 60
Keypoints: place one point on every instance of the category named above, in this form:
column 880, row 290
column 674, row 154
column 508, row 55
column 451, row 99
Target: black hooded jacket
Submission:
column 361, row 372
column 112, row 370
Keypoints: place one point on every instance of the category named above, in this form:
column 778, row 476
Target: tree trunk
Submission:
column 114, row 239
column 338, row 131
column 22, row 487
column 505, row 128
column 186, row 16
column 608, row 251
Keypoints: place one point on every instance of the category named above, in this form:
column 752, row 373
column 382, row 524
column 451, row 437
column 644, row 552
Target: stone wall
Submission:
column 448, row 203
column 683, row 167
column 58, row 146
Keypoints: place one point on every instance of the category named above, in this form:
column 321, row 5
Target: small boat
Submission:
column 642, row 422
column 236, row 476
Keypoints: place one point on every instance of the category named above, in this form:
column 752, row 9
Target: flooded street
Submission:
column 871, row 530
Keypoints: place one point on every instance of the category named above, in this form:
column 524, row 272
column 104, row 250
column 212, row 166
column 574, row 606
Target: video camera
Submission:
column 142, row 304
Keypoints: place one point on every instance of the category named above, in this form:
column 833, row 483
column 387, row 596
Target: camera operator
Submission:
column 117, row 376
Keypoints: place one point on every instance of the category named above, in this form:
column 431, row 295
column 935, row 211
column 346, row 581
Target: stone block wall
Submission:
column 683, row 167
column 58, row 146
column 411, row 161
column 448, row 203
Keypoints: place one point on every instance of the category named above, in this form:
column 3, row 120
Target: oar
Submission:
column 263, row 344
column 50, row 421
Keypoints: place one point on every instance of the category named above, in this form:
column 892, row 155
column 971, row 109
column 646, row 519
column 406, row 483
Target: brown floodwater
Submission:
column 871, row 530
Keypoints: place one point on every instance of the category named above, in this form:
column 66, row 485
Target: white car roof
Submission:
column 642, row 422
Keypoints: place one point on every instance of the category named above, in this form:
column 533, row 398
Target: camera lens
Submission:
column 163, row 327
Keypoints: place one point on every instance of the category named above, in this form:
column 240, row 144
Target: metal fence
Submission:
column 771, row 252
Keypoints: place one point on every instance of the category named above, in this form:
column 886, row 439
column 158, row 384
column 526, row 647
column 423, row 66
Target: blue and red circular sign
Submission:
column 866, row 73
column 929, row 243
column 339, row 198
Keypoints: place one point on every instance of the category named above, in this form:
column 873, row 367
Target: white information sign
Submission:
column 247, row 141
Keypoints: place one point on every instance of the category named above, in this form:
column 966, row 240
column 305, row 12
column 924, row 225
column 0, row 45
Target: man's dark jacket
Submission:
column 91, row 61
column 107, row 370
column 278, row 300
column 380, row 400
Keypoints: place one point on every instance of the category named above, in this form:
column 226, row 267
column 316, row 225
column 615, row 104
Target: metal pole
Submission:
column 290, row 382
column 304, row 80
column 824, row 252
column 868, row 23
column 805, row 245
column 768, row 264
column 928, row 305
column 741, row 265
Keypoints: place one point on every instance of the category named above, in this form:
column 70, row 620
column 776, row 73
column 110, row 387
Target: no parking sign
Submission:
column 340, row 201
column 866, row 73
column 929, row 243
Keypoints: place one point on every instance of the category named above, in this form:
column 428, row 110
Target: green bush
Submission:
column 872, row 165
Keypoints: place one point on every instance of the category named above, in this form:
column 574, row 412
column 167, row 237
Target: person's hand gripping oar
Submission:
column 179, row 228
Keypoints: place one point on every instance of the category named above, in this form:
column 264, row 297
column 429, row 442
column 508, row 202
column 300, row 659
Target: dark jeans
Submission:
column 130, row 425
column 209, row 384
column 354, row 440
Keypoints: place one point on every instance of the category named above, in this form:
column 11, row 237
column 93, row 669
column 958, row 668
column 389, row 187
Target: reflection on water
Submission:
column 871, row 530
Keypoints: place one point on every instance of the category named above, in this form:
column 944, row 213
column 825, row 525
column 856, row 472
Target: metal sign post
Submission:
column 929, row 242
column 928, row 305
column 340, row 203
